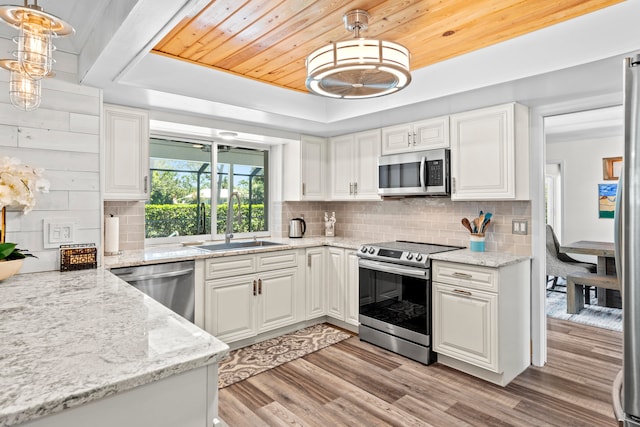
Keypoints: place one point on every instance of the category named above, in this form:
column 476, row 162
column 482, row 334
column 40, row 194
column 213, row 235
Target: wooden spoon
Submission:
column 476, row 225
column 467, row 224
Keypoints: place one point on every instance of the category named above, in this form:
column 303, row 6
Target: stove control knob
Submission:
column 363, row 249
column 371, row 250
column 409, row 256
column 419, row 257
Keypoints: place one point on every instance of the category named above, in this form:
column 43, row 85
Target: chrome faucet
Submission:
column 229, row 229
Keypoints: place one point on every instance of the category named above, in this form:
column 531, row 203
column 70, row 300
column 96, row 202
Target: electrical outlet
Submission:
column 520, row 226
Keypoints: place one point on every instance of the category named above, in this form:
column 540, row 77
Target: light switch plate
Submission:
column 59, row 231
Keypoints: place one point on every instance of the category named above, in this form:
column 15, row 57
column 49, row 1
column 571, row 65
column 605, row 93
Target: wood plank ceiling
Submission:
column 269, row 40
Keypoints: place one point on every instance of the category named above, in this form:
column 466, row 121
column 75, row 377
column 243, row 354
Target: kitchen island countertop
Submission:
column 75, row 337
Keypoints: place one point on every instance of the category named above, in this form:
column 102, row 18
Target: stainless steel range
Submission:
column 395, row 296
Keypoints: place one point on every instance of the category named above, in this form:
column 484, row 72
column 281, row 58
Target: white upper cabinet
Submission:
column 305, row 169
column 126, row 153
column 354, row 166
column 490, row 153
column 423, row 135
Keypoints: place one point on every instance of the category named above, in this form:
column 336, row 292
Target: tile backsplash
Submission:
column 431, row 220
column 131, row 216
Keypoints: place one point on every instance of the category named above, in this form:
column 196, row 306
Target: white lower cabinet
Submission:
column 352, row 275
column 335, row 283
column 481, row 318
column 342, row 285
column 315, row 275
column 239, row 306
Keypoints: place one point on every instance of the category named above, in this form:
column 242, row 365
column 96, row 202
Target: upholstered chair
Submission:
column 560, row 264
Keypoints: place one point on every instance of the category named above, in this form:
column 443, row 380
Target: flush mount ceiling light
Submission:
column 228, row 136
column 358, row 68
column 34, row 56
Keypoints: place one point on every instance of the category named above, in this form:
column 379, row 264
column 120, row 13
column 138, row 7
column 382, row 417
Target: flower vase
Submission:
column 9, row 268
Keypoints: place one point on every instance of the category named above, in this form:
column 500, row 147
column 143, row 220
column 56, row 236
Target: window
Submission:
column 180, row 198
column 243, row 171
column 180, row 202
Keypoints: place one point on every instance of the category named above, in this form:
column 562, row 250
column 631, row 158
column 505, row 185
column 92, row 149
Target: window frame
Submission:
column 200, row 238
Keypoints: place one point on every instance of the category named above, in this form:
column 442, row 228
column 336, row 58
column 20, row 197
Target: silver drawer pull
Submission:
column 461, row 292
column 462, row 275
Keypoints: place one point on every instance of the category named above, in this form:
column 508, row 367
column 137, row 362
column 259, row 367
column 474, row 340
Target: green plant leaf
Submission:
column 6, row 249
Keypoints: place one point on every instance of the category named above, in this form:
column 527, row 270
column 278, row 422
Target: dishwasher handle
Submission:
column 136, row 278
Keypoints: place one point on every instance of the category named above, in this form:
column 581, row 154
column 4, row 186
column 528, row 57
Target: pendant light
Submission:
column 24, row 93
column 34, row 55
column 358, row 68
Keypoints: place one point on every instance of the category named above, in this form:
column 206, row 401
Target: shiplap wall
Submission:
column 63, row 138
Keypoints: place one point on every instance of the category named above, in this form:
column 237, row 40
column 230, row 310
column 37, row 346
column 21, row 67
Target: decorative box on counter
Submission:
column 78, row 257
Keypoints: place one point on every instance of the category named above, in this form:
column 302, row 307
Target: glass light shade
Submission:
column 35, row 47
column 358, row 68
column 25, row 94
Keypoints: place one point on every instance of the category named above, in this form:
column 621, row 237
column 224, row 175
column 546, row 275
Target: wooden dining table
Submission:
column 606, row 266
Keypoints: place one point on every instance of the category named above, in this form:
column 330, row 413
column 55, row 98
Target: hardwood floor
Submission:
column 355, row 383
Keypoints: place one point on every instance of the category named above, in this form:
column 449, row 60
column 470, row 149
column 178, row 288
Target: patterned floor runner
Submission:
column 248, row 361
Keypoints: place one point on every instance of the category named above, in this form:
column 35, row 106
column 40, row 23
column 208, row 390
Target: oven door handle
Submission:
column 394, row 269
column 423, row 166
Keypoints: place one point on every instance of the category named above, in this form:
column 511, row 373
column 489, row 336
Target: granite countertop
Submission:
column 71, row 338
column 486, row 259
column 177, row 252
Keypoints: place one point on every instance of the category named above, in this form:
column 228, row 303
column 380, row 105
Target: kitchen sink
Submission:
column 238, row 245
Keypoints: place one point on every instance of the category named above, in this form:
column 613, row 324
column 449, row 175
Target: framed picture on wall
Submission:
column 607, row 200
column 611, row 168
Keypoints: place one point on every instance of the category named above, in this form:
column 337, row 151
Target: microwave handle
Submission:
column 423, row 165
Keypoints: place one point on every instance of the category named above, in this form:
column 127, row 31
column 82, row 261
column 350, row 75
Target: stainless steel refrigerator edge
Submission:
column 626, row 390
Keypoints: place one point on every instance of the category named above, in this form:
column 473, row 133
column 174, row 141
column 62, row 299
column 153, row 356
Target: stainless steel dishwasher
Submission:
column 171, row 284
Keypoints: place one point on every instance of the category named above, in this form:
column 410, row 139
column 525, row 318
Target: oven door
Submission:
column 396, row 299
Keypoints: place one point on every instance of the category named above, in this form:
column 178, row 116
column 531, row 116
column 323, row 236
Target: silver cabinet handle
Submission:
column 461, row 292
column 408, row 139
column 414, row 138
column 304, row 190
column 146, row 185
column 462, row 275
column 309, row 260
column 355, row 188
column 453, row 185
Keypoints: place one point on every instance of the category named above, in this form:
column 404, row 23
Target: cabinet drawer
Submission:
column 471, row 276
column 230, row 266
column 277, row 260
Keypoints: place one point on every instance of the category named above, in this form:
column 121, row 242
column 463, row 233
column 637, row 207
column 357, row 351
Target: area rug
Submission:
column 591, row 314
column 248, row 361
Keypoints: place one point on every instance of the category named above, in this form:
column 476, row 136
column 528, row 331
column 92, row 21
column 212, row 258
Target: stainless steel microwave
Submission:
column 419, row 173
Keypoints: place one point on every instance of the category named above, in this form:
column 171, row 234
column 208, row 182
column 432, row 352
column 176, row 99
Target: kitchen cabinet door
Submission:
column 417, row 136
column 341, row 162
column 431, row 134
column 352, row 287
column 304, row 176
column 353, row 163
column 365, row 165
column 126, row 153
column 465, row 325
column 315, row 283
column 397, row 139
column 230, row 308
column 490, row 154
column 277, row 292
column 335, row 283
